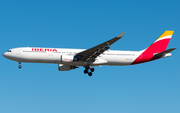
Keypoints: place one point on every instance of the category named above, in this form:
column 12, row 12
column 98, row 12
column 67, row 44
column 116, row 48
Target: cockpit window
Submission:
column 9, row 51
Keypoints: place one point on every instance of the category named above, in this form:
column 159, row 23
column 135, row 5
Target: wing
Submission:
column 92, row 53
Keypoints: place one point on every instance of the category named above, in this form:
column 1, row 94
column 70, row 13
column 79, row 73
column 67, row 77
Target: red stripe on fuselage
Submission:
column 148, row 54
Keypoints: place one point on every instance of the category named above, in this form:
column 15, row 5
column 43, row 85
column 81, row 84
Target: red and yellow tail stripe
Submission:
column 165, row 35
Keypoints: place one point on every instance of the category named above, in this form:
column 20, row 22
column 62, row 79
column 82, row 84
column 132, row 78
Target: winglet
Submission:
column 121, row 35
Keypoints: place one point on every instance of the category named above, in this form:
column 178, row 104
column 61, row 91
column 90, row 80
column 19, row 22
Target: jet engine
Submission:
column 67, row 58
column 63, row 67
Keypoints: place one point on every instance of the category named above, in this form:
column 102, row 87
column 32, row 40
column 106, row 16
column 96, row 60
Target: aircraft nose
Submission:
column 4, row 55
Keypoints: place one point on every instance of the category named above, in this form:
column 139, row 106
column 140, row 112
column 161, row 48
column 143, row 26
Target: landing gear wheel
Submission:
column 85, row 71
column 19, row 66
column 92, row 69
column 88, row 70
column 90, row 74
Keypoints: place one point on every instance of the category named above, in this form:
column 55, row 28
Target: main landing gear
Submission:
column 88, row 68
column 19, row 65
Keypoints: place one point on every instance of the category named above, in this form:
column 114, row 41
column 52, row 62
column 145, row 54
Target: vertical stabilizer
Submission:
column 158, row 46
column 162, row 42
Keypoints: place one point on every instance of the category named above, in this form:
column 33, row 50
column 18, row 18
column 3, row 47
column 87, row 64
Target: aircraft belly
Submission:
column 78, row 63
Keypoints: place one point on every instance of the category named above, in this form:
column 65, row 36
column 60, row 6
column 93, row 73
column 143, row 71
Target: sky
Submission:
column 151, row 87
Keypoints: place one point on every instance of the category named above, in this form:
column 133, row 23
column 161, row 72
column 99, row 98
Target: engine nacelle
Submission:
column 67, row 58
column 63, row 67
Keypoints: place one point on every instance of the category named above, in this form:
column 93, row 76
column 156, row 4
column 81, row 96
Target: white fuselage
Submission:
column 54, row 55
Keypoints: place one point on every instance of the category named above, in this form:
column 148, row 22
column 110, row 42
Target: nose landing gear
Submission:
column 19, row 65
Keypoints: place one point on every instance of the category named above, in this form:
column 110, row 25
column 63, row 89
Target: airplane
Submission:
column 68, row 59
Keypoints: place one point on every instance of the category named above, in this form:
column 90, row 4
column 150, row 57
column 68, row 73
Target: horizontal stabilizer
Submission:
column 164, row 53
